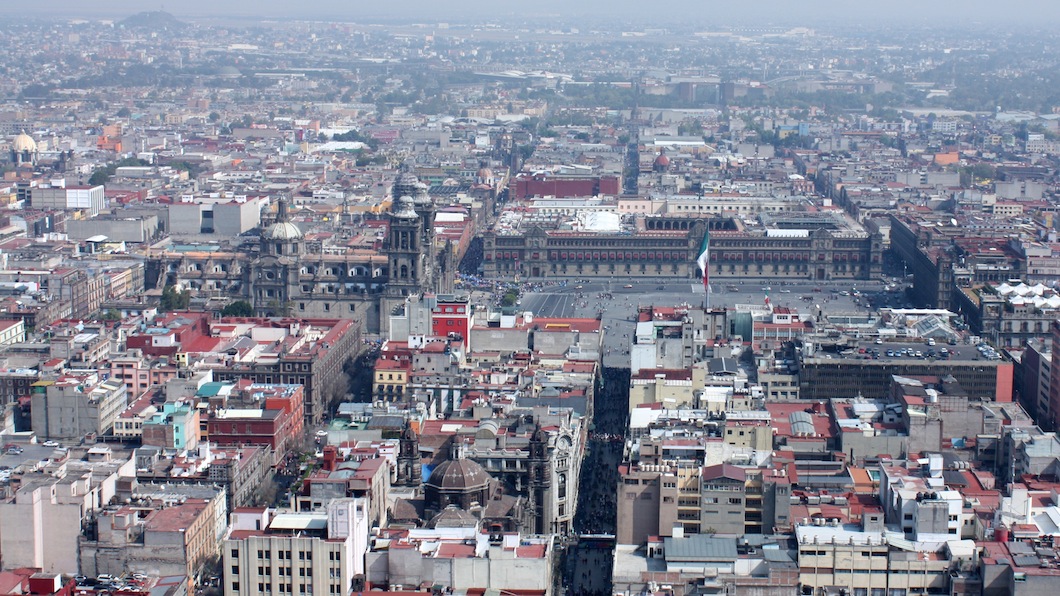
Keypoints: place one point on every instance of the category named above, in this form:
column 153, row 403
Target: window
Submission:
column 235, row 586
column 235, row 569
column 735, row 500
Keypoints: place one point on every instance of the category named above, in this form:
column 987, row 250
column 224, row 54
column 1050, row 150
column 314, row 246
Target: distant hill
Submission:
column 155, row 20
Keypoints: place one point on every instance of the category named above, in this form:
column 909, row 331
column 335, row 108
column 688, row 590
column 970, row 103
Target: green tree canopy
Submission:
column 174, row 299
column 239, row 308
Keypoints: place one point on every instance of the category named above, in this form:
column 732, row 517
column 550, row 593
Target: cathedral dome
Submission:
column 282, row 230
column 459, row 475
column 24, row 142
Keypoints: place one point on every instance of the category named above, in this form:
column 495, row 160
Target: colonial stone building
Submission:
column 796, row 246
column 290, row 275
column 509, row 474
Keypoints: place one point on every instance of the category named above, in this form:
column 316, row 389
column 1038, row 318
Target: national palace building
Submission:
column 598, row 243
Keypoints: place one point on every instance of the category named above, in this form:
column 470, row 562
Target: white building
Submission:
column 319, row 552
column 40, row 524
column 72, row 198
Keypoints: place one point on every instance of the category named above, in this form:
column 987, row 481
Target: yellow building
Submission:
column 391, row 380
column 669, row 387
column 748, row 433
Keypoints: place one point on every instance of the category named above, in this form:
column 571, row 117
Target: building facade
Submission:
column 798, row 248
column 76, row 405
column 291, row 275
column 267, row 552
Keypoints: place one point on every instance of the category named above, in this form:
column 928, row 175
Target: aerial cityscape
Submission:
column 483, row 299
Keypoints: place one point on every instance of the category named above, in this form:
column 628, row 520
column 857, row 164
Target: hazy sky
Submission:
column 806, row 12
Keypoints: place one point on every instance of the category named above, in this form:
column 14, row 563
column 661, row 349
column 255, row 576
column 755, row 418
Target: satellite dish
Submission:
column 953, row 222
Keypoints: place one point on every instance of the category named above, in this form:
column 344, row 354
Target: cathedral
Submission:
column 291, row 275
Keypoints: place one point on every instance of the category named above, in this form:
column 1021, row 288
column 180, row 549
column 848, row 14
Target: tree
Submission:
column 510, row 298
column 174, row 299
column 214, row 117
column 279, row 309
column 124, row 113
column 100, row 176
column 239, row 308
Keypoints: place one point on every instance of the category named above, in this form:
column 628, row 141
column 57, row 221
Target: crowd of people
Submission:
column 597, row 507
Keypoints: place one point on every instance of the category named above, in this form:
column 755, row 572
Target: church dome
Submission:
column 459, row 475
column 484, row 174
column 24, row 142
column 282, row 230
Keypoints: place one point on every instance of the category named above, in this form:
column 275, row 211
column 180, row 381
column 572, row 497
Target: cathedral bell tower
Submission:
column 404, row 249
column 410, row 243
column 409, row 471
column 540, row 480
column 410, row 248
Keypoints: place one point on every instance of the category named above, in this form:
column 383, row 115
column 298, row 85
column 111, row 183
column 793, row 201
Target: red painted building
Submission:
column 451, row 318
column 543, row 184
column 169, row 333
column 278, row 423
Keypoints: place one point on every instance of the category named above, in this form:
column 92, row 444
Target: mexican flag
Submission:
column 704, row 259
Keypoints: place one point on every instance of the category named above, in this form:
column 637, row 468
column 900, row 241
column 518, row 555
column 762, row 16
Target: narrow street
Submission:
column 590, row 558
